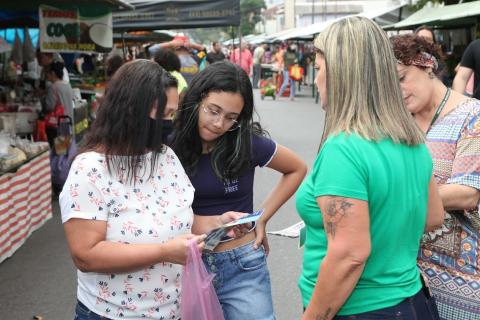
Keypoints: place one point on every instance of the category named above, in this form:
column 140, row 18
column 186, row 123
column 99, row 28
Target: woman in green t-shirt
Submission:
column 370, row 194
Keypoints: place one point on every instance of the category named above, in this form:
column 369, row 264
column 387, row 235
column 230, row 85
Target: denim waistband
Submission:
column 232, row 253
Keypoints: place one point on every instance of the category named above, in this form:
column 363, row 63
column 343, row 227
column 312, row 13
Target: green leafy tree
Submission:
column 208, row 35
column 250, row 11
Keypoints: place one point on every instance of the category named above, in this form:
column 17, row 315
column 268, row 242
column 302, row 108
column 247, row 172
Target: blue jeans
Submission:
column 242, row 282
column 421, row 306
column 83, row 313
column 286, row 79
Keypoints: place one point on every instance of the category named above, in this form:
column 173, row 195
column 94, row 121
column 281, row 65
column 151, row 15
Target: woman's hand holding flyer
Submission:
column 217, row 235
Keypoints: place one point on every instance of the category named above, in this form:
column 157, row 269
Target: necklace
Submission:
column 440, row 107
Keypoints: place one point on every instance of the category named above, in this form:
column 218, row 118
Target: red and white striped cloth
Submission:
column 25, row 203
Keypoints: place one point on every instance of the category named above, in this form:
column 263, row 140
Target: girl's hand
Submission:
column 261, row 238
column 230, row 216
column 237, row 231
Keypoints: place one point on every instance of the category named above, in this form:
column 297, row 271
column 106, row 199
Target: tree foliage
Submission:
column 208, row 35
column 250, row 11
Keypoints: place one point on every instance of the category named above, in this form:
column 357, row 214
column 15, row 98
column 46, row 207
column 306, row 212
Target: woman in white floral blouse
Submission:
column 126, row 205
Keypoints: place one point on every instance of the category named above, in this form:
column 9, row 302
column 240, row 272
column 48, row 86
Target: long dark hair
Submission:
column 122, row 128
column 232, row 152
column 114, row 62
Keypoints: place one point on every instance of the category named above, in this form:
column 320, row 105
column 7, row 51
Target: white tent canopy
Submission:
column 308, row 32
column 275, row 36
column 455, row 15
column 389, row 15
column 382, row 17
column 251, row 38
column 258, row 39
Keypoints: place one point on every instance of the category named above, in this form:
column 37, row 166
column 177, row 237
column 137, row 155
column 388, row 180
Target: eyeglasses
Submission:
column 215, row 116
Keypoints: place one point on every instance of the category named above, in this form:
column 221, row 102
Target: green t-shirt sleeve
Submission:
column 339, row 171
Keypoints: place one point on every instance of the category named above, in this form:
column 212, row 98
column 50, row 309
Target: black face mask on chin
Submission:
column 167, row 129
column 151, row 132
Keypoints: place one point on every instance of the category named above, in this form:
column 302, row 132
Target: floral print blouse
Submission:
column 154, row 209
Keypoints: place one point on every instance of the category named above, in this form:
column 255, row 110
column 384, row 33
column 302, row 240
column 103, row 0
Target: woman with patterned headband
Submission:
column 449, row 256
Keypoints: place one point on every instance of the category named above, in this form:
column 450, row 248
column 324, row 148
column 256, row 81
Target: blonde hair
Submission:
column 363, row 90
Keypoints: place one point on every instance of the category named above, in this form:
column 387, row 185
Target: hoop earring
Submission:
column 431, row 75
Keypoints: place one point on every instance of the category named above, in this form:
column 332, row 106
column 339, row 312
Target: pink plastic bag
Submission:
column 199, row 300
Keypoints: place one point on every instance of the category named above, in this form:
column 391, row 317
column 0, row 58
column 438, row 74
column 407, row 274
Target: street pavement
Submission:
column 40, row 280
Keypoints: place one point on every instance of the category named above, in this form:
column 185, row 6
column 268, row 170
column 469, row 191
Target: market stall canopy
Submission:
column 452, row 16
column 28, row 48
column 19, row 14
column 32, row 4
column 257, row 39
column 18, row 19
column 9, row 35
column 389, row 15
column 64, row 25
column 306, row 33
column 136, row 37
column 297, row 34
column 177, row 14
column 382, row 17
column 274, row 37
column 17, row 50
column 251, row 38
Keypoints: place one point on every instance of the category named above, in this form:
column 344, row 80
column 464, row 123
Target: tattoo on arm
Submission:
column 325, row 316
column 334, row 213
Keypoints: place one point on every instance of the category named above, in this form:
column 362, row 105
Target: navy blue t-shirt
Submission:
column 213, row 197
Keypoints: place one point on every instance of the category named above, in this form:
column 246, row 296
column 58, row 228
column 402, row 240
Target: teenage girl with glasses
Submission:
column 220, row 146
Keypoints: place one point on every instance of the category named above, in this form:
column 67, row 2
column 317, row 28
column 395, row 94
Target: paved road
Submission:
column 297, row 125
column 40, row 278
